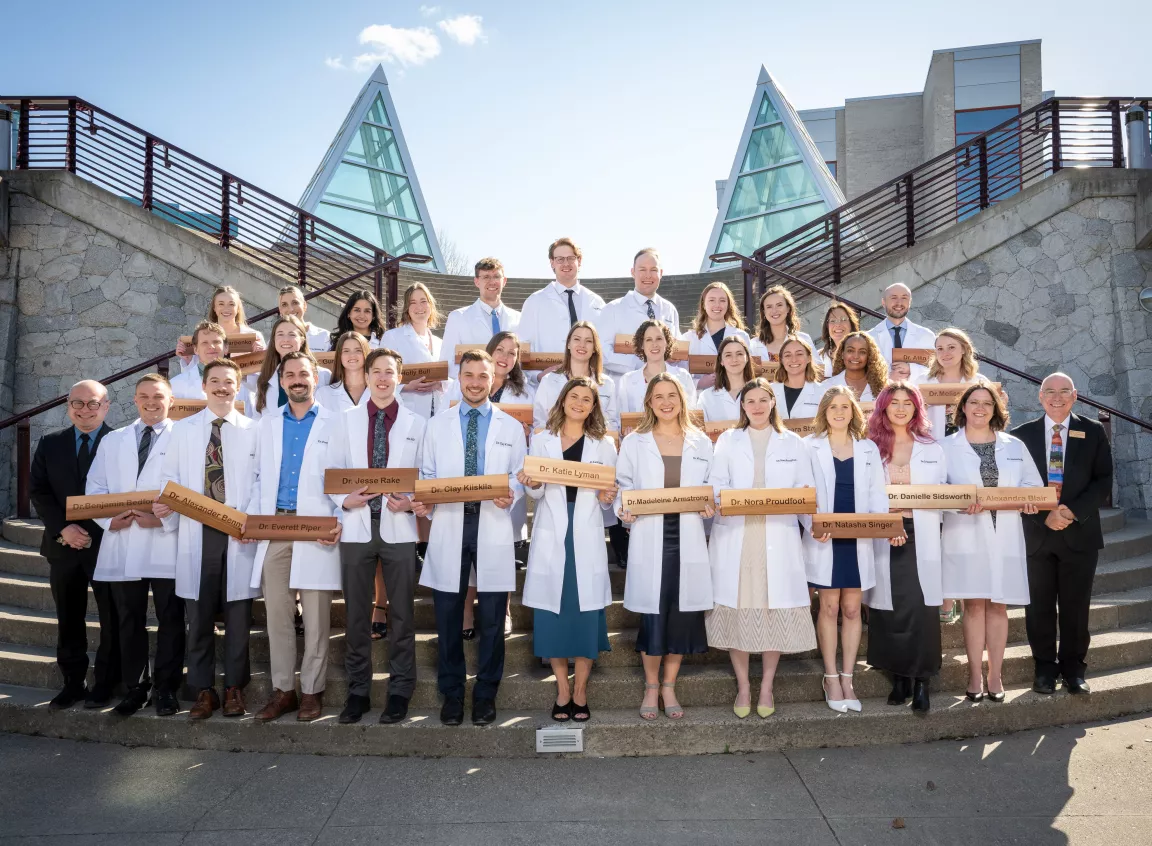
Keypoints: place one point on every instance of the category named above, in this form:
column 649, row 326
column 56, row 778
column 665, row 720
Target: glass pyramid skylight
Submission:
column 366, row 184
column 778, row 180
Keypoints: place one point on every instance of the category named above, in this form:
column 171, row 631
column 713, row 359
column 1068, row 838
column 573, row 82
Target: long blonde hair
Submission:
column 968, row 365
column 595, row 363
column 732, row 315
column 402, row 317
column 594, row 425
column 648, row 421
column 241, row 320
column 857, row 427
column 271, row 364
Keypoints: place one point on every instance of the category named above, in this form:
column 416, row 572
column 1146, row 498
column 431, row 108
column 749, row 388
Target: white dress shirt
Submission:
column 624, row 316
column 544, row 321
column 473, row 325
column 1049, row 424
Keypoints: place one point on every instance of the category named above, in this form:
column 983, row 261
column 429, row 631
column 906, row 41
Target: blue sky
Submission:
column 606, row 121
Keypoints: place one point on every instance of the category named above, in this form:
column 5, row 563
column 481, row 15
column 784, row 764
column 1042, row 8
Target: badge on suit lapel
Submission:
column 1075, row 433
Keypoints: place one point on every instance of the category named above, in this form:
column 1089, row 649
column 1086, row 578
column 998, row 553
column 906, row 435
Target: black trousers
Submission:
column 213, row 598
column 1060, row 590
column 490, row 610
column 69, row 579
column 132, row 610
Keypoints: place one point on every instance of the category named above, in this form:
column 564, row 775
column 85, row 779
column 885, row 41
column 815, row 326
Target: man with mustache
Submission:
column 293, row 450
column 477, row 323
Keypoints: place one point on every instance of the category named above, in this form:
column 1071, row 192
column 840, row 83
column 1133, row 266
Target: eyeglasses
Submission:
column 1063, row 393
column 564, row 260
column 91, row 405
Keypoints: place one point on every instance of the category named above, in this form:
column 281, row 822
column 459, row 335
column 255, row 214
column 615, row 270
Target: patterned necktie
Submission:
column 495, row 322
column 471, row 448
column 84, row 456
column 1056, row 459
column 143, row 449
column 214, row 463
column 651, row 313
column 898, row 343
column 572, row 318
column 379, row 455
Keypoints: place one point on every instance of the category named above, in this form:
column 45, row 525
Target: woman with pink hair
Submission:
column 903, row 622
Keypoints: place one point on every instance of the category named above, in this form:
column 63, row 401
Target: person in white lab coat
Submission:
column 209, row 343
column 777, row 320
column 859, row 365
column 473, row 439
column 293, row 452
column 560, row 303
column 896, row 330
column 903, row 629
column 668, row 582
column 717, row 317
column 797, row 385
column 623, row 315
column 567, row 580
column 416, row 317
column 653, row 345
column 477, row 323
column 379, row 539
column 292, row 302
column 135, row 556
column 758, row 576
column 226, row 310
column 733, row 372
column 839, row 320
column 954, row 363
column 985, row 562
column 349, row 385
column 213, row 452
column 288, row 335
column 362, row 313
column 849, row 480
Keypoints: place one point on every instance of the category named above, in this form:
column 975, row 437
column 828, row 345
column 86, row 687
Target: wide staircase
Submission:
column 1120, row 672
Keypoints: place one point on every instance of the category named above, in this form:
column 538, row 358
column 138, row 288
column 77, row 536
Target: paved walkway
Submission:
column 1080, row 785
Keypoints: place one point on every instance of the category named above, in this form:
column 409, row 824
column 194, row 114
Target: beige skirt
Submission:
column 761, row 629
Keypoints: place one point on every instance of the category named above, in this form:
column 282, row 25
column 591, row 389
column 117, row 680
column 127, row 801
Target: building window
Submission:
column 831, row 168
column 1003, row 158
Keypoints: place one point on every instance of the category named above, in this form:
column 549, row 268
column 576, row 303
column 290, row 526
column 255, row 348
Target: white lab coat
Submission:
column 927, row 466
column 982, row 561
column 272, row 393
column 184, row 464
column 403, row 339
column 641, row 467
column 544, row 320
column 838, row 379
column 761, row 349
column 806, row 405
column 632, row 386
column 871, row 497
column 826, row 363
column 135, row 552
column 443, row 457
column 787, row 464
column 914, row 335
column 336, row 399
column 548, row 391
column 718, row 404
column 623, row 316
column 348, row 449
column 314, row 567
column 319, row 340
column 473, row 325
column 544, row 581
column 705, row 346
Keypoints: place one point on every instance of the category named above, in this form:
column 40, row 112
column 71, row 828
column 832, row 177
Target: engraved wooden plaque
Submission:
column 741, row 502
column 1013, row 499
column 802, row 426
column 241, row 342
column 578, row 474
column 463, row 348
column 946, row 393
column 249, row 362
column 461, row 489
column 182, row 408
column 327, row 359
column 108, row 505
column 623, row 346
column 913, row 355
column 431, row 371
column 541, row 360
column 384, row 480
column 938, row 497
column 668, row 500
column 287, row 527
column 716, row 428
column 858, row 525
column 629, row 420
column 521, row 412
column 203, row 509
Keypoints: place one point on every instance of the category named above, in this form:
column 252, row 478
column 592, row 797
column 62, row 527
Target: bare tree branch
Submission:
column 456, row 262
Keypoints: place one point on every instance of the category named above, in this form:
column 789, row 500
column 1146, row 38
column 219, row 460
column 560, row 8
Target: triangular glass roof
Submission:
column 366, row 184
column 778, row 181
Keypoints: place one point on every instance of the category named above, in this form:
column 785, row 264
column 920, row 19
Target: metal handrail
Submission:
column 751, row 266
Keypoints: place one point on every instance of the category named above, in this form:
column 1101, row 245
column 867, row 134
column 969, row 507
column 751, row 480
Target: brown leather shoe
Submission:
column 280, row 703
column 311, row 706
column 233, row 702
column 206, row 702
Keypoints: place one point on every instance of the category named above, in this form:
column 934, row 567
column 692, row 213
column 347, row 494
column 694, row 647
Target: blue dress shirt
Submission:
column 91, row 439
column 292, row 455
column 481, row 430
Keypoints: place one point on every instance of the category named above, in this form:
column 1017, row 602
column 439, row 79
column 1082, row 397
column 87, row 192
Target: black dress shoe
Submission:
column 136, row 699
column 920, row 701
column 483, row 712
column 98, row 696
column 355, row 707
column 452, row 711
column 166, row 703
column 975, row 697
column 1044, row 684
column 396, row 710
column 1076, row 686
column 900, row 687
column 69, row 696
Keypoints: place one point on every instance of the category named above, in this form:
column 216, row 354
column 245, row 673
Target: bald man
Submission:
column 60, row 470
column 897, row 330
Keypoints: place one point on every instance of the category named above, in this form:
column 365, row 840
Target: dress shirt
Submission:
column 624, row 316
column 889, row 326
column 1049, row 423
column 92, row 440
column 292, row 455
column 390, row 412
column 544, row 321
column 481, row 430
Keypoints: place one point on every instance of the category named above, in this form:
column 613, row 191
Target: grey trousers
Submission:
column 213, row 598
column 358, row 572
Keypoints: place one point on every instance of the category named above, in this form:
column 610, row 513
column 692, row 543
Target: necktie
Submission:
column 898, row 343
column 572, row 318
column 143, row 449
column 651, row 313
column 84, row 456
column 495, row 322
column 214, row 463
column 1056, row 459
column 379, row 455
column 471, row 448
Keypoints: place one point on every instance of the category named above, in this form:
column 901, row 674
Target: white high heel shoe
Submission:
column 837, row 705
column 851, row 704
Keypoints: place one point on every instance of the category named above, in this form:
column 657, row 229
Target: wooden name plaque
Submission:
column 203, row 509
column 241, row 342
column 703, row 365
column 858, row 525
column 913, row 355
column 578, row 474
column 946, row 393
column 668, row 500
column 1013, row 499
column 461, row 489
column 541, row 360
column 385, row 480
column 287, row 527
column 463, row 348
column 938, row 497
column 716, row 428
column 249, row 362
column 802, row 426
column 108, row 505
column 623, row 346
column 741, row 502
column 866, row 408
column 629, row 420
column 327, row 360
column 766, row 369
column 429, row 371
column 521, row 412
column 182, row 408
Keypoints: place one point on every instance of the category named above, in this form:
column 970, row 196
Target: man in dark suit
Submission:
column 60, row 470
column 1073, row 454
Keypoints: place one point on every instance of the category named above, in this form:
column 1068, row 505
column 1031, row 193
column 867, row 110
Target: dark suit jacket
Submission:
column 55, row 477
column 1087, row 481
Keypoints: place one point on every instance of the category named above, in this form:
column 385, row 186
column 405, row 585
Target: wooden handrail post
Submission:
column 24, row 469
column 1106, row 421
column 378, row 285
column 391, row 301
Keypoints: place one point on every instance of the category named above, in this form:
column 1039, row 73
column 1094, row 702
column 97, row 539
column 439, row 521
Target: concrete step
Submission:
column 615, row 687
column 610, row 732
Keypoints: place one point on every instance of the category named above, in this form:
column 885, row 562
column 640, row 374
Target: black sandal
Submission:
column 380, row 630
column 580, row 713
column 562, row 713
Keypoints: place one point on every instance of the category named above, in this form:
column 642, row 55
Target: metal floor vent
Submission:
column 560, row 739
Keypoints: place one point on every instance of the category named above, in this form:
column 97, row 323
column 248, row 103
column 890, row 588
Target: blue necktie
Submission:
column 471, row 451
column 495, row 322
